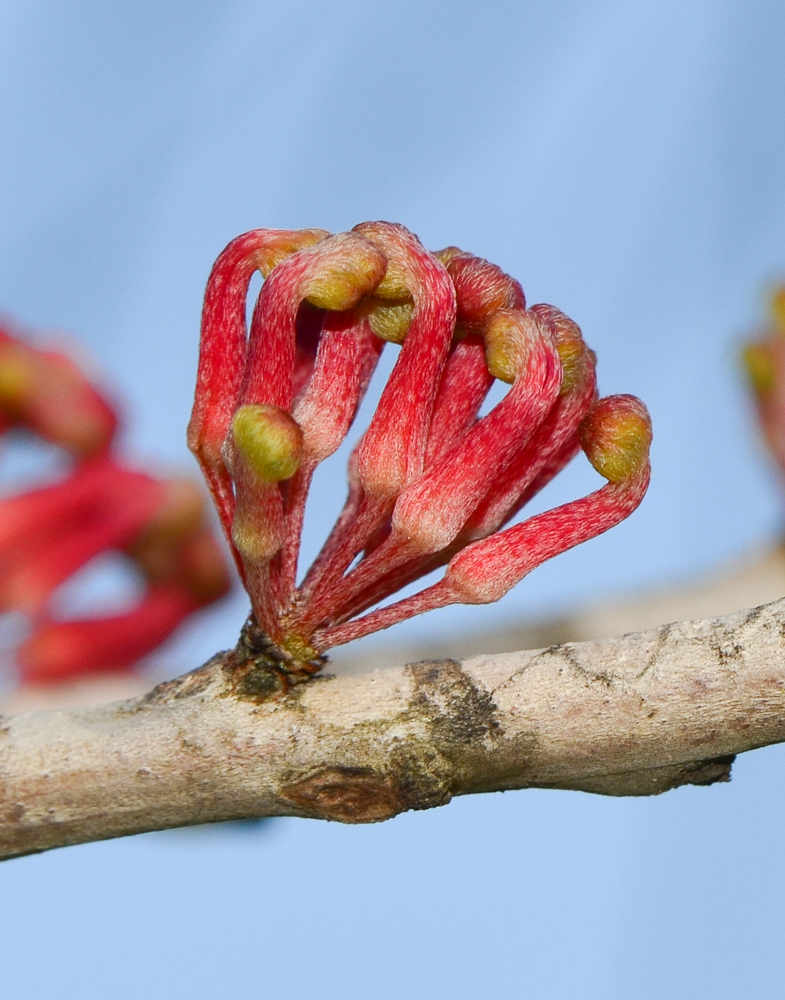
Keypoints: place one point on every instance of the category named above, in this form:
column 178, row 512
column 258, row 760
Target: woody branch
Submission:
column 633, row 715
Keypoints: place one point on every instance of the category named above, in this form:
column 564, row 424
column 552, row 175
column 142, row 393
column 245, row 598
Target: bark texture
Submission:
column 633, row 715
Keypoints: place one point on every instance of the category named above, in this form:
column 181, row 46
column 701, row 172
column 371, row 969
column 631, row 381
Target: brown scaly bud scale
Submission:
column 431, row 482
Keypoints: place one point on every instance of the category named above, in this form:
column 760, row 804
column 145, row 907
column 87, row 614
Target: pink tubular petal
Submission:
column 30, row 519
column 487, row 569
column 58, row 651
column 222, row 350
column 427, row 600
column 384, row 585
column 546, row 454
column 393, row 450
column 482, row 288
column 120, row 507
column 551, row 446
column 464, row 385
column 434, row 509
column 269, row 369
column 347, row 356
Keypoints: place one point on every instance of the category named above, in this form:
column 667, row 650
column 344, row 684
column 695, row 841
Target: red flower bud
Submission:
column 431, row 481
column 48, row 534
column 46, row 393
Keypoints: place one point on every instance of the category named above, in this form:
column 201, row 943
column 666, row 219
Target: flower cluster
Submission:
column 47, row 534
column 764, row 360
column 431, row 481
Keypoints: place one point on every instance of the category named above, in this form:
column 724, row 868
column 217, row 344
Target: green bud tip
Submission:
column 616, row 436
column 777, row 307
column 389, row 320
column 394, row 283
column 349, row 268
column 269, row 441
column 761, row 367
column 284, row 244
column 506, row 340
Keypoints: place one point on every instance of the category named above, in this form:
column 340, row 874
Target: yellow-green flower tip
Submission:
column 573, row 356
column 616, row 436
column 448, row 254
column 389, row 320
column 269, row 441
column 777, row 307
column 17, row 375
column 505, row 343
column 284, row 244
column 394, row 284
column 760, row 366
column 350, row 269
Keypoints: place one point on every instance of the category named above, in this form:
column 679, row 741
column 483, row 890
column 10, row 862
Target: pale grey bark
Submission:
column 633, row 715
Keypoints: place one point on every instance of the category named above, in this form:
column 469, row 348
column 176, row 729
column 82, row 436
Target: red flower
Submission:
column 431, row 482
column 50, row 533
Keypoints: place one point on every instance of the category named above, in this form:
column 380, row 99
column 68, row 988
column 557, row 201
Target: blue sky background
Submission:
column 626, row 161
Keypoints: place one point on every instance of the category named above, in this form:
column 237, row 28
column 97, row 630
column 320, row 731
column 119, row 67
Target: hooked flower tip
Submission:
column 763, row 359
column 616, row 436
column 482, row 289
column 269, row 440
column 507, row 341
column 777, row 307
column 761, row 367
column 16, row 377
column 283, row 244
column 389, row 319
column 45, row 392
column 353, row 268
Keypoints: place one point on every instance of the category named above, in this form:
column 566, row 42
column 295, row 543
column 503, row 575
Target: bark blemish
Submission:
column 346, row 794
column 567, row 652
column 663, row 634
column 257, row 681
column 464, row 722
column 459, row 712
